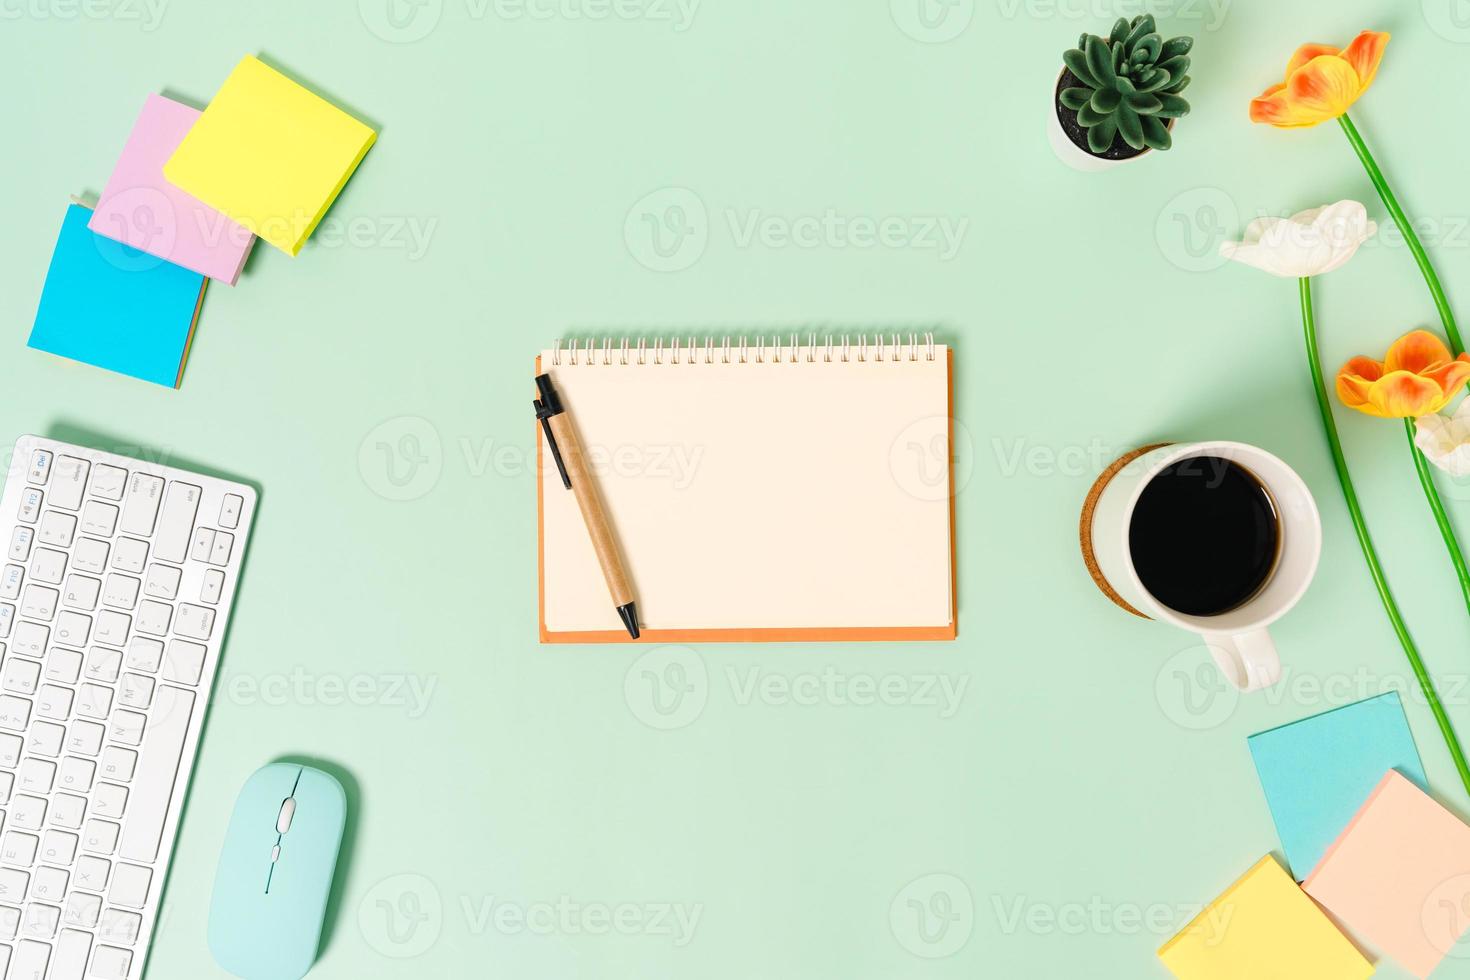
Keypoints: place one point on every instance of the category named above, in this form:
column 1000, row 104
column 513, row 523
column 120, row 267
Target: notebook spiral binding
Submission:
column 744, row 350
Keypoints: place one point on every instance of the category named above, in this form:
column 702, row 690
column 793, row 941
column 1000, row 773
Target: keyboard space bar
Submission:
column 158, row 764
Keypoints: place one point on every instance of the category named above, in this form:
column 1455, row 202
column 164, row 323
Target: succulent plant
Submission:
column 1130, row 84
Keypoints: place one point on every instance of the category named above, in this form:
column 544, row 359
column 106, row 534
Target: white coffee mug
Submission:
column 1237, row 638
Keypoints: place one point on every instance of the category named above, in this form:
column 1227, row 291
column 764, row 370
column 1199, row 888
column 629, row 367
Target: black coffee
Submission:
column 1204, row 536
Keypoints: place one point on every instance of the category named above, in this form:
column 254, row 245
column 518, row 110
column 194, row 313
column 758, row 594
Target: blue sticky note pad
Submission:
column 1319, row 771
column 115, row 307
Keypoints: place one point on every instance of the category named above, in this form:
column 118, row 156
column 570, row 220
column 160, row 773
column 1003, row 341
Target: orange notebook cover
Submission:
column 759, row 490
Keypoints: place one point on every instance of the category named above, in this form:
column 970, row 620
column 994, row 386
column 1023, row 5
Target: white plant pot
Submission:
column 1070, row 153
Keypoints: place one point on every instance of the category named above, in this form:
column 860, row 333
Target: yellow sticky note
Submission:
column 269, row 154
column 1266, row 928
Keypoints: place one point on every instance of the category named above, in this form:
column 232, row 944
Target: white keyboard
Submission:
column 115, row 588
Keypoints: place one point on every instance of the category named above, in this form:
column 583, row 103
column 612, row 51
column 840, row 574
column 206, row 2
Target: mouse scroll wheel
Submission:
column 288, row 810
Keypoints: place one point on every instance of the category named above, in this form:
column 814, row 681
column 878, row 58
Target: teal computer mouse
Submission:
column 275, row 872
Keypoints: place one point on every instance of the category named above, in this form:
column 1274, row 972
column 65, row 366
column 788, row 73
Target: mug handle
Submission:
column 1248, row 660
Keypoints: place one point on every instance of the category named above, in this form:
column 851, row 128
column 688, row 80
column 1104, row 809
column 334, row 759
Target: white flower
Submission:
column 1445, row 439
column 1306, row 244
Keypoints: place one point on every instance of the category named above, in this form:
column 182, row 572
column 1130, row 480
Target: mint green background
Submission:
column 1095, row 777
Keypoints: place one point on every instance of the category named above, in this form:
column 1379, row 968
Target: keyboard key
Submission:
column 20, row 543
column 11, row 747
column 57, row 529
column 213, row 587
column 162, row 581
column 49, row 884
column 223, row 543
column 110, row 963
column 90, row 555
column 108, row 481
column 92, row 872
column 83, row 910
column 7, row 617
column 229, row 511
column 27, row 812
column 9, row 922
column 10, row 580
column 82, row 591
column 127, row 728
column 76, row 774
column 145, row 654
column 154, row 782
column 194, row 621
column 19, row 849
column 85, row 738
column 13, row 884
column 36, row 775
column 99, row 519
column 129, row 886
column 7, row 782
column 39, row 921
column 20, row 676
column 30, row 959
column 67, row 810
column 100, row 837
column 154, row 617
column 119, row 763
column 121, row 591
column 112, row 627
column 48, row 566
column 45, row 738
column 94, row 701
column 15, row 713
column 176, row 521
column 72, row 947
column 62, row 665
column 54, row 702
column 30, row 640
column 135, row 691
column 73, row 629
column 69, row 482
column 184, row 662
column 203, row 544
column 118, row 926
column 58, row 847
column 140, row 504
column 103, row 665
column 109, row 801
column 39, row 602
column 30, row 505
column 130, row 555
column 40, row 468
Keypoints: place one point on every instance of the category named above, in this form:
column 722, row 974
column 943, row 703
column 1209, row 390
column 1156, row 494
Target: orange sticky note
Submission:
column 1399, row 877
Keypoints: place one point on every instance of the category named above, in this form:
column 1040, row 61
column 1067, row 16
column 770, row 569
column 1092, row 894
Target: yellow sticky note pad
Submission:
column 269, row 154
column 1266, row 928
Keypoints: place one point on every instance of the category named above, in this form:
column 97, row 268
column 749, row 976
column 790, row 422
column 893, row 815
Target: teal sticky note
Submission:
column 115, row 307
column 1319, row 771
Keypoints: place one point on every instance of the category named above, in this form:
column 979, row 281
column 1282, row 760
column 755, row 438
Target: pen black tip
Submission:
column 629, row 616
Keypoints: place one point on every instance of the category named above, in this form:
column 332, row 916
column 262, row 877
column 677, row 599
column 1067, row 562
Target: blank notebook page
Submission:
column 805, row 494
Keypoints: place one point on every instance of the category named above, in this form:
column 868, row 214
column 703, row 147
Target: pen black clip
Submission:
column 547, row 406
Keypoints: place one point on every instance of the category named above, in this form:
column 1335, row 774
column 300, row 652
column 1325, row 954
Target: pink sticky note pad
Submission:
column 1399, row 877
column 142, row 209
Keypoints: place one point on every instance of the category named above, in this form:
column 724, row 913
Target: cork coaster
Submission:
column 1084, row 526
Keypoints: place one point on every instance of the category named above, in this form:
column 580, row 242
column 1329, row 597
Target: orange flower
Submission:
column 1321, row 82
column 1418, row 376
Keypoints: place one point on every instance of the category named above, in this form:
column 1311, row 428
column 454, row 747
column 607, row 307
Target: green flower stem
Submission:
column 1370, row 554
column 1446, row 530
column 1446, row 316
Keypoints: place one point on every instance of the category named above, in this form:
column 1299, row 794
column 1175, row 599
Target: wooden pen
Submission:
column 571, row 463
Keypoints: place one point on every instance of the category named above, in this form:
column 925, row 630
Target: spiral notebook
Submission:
column 758, row 490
